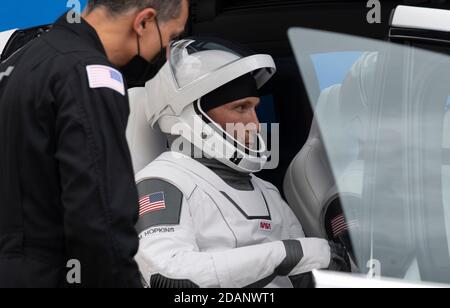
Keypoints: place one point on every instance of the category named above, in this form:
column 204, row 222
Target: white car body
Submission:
column 329, row 280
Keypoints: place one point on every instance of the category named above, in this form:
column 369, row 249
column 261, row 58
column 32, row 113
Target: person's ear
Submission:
column 142, row 18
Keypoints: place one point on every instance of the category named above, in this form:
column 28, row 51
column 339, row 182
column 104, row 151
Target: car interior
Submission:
column 267, row 23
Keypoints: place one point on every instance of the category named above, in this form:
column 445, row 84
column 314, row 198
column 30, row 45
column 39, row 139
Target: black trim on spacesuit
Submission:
column 262, row 283
column 303, row 281
column 294, row 254
column 158, row 281
column 171, row 215
column 237, row 180
column 245, row 214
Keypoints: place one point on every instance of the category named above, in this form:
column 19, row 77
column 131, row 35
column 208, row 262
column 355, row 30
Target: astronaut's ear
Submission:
column 160, row 204
column 142, row 18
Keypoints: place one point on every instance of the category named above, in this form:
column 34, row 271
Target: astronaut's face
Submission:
column 239, row 119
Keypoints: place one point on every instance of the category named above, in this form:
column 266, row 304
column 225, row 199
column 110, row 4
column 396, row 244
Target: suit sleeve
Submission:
column 169, row 255
column 98, row 192
column 312, row 255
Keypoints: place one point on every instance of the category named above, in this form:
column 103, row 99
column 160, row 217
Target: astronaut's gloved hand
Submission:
column 316, row 254
column 340, row 260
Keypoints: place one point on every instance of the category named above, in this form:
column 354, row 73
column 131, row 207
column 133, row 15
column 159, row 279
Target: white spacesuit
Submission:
column 209, row 222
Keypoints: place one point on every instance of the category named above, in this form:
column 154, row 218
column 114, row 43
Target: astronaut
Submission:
column 206, row 220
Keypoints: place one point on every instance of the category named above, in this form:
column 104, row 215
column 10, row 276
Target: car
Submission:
column 358, row 172
column 364, row 125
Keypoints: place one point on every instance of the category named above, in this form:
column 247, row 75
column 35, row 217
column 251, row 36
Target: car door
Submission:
column 391, row 121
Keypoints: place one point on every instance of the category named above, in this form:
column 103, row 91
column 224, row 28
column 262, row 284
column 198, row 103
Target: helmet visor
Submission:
column 194, row 59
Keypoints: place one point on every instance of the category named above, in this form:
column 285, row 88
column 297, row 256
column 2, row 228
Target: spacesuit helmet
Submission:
column 197, row 68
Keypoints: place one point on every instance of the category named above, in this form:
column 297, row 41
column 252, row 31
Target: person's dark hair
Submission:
column 167, row 9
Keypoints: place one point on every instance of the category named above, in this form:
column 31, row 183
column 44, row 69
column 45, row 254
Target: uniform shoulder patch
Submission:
column 159, row 204
column 101, row 76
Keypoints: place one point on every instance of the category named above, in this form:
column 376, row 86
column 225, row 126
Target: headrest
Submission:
column 145, row 143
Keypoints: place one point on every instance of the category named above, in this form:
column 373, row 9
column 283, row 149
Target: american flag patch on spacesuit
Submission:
column 339, row 225
column 152, row 203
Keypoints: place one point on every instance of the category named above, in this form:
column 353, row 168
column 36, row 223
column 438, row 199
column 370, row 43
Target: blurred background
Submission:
column 29, row 13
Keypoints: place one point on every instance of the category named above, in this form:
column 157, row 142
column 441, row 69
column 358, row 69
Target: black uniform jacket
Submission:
column 67, row 190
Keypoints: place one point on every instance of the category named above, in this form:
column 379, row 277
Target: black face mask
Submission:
column 138, row 71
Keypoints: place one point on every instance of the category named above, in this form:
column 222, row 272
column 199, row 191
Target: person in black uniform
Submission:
column 67, row 188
